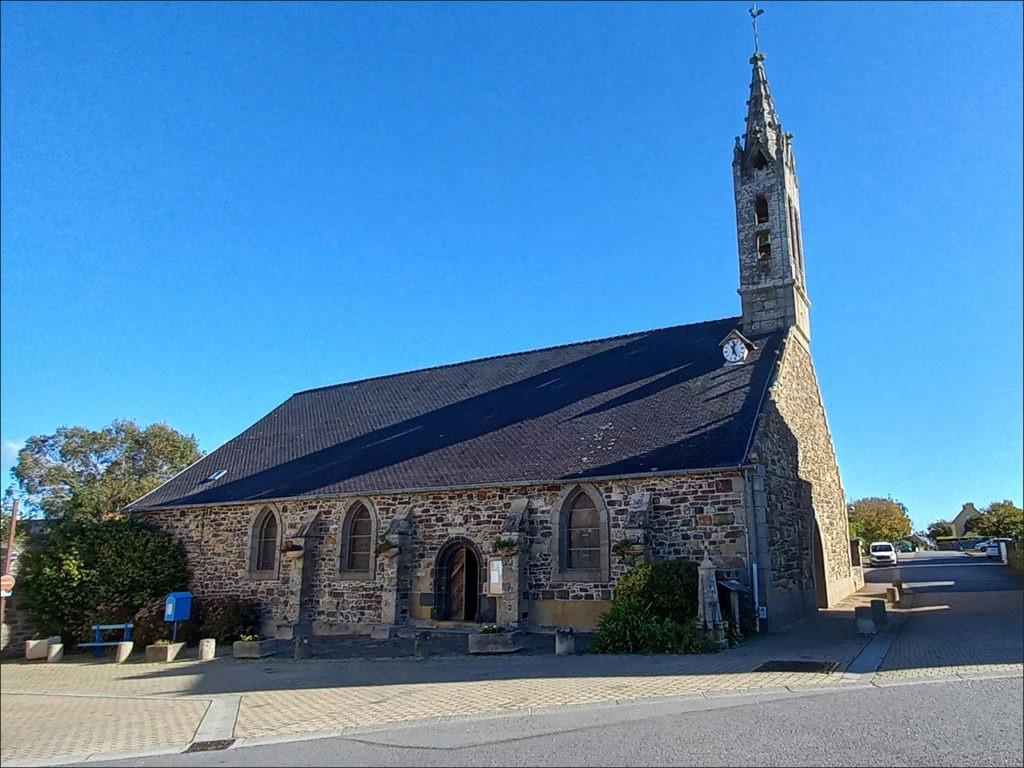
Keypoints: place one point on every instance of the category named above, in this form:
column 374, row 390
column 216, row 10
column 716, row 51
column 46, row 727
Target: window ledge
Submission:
column 263, row 575
column 355, row 576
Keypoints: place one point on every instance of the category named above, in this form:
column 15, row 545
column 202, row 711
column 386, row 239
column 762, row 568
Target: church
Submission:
column 517, row 489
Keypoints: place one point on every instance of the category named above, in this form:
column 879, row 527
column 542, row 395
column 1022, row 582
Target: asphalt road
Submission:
column 925, row 723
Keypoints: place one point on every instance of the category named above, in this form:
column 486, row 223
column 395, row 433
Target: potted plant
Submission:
column 163, row 650
column 385, row 547
column 628, row 549
column 496, row 639
column 504, row 547
column 291, row 550
column 253, row 646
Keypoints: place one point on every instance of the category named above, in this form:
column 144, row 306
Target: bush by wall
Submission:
column 654, row 610
column 632, row 626
column 84, row 572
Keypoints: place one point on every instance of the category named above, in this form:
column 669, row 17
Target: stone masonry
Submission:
column 801, row 489
column 689, row 514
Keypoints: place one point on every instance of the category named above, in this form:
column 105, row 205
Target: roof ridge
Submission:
column 508, row 354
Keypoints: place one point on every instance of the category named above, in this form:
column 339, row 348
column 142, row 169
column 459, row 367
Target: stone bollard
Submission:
column 865, row 624
column 36, row 649
column 422, row 645
column 892, row 594
column 207, row 649
column 55, row 652
column 123, row 651
column 878, row 612
column 565, row 641
column 302, row 648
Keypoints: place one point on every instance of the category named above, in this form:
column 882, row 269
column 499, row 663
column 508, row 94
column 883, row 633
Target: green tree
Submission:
column 1000, row 519
column 940, row 528
column 87, row 571
column 879, row 519
column 96, row 473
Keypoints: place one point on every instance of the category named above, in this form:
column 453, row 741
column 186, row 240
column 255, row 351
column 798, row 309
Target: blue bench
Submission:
column 99, row 644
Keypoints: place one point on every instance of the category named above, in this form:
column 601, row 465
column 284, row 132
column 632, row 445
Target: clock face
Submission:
column 734, row 350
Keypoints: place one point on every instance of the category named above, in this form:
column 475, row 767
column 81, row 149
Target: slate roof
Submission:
column 655, row 401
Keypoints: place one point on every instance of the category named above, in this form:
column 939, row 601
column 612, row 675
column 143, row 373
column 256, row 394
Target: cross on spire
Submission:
column 754, row 13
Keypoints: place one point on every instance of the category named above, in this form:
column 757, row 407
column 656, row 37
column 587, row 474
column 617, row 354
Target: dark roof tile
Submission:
column 654, row 401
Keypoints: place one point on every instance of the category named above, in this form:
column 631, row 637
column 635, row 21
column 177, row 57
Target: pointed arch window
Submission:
column 761, row 209
column 266, row 543
column 358, row 532
column 582, row 536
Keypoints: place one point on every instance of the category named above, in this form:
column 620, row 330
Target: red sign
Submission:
column 6, row 583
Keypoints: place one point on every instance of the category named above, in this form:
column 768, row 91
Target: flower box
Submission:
column 496, row 642
column 163, row 651
column 253, row 649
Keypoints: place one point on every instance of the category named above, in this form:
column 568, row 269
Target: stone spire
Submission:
column 764, row 140
column 772, row 282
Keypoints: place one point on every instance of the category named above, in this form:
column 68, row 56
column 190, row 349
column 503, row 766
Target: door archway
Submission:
column 457, row 582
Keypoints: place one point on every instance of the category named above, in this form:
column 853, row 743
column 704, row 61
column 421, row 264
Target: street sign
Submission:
column 6, row 583
column 4, row 593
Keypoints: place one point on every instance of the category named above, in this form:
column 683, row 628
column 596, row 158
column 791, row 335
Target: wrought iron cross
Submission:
column 754, row 13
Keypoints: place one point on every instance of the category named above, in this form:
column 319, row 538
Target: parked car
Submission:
column 883, row 553
column 906, row 546
column 981, row 546
column 992, row 551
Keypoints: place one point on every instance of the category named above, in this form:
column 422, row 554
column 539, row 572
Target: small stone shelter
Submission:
column 517, row 489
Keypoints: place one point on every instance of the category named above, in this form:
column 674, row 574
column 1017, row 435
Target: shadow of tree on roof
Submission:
column 641, row 380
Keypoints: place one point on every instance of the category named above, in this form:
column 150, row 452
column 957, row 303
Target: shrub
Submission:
column 86, row 572
column 669, row 587
column 225, row 618
column 632, row 626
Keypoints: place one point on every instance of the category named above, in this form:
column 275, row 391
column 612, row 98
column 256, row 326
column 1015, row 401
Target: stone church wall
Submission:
column 686, row 514
column 799, row 483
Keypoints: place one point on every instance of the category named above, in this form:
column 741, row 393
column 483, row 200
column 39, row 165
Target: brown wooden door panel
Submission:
column 457, row 585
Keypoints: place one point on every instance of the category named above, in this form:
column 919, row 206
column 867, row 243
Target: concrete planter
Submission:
column 36, row 649
column 122, row 651
column 158, row 652
column 253, row 649
column 496, row 642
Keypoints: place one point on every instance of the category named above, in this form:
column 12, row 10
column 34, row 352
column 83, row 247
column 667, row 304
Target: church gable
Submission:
column 652, row 402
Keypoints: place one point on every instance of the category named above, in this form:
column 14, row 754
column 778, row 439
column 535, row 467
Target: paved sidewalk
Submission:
column 154, row 706
column 101, row 708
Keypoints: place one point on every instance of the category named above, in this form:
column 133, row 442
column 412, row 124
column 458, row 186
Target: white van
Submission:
column 883, row 553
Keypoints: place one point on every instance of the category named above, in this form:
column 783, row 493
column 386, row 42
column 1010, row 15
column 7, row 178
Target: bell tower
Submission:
column 773, row 291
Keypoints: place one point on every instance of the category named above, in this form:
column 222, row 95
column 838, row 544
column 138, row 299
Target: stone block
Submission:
column 253, row 649
column 36, row 649
column 122, row 651
column 55, row 652
column 496, row 642
column 878, row 612
column 422, row 645
column 207, row 649
column 565, row 641
column 163, row 652
column 384, row 632
column 892, row 594
column 865, row 622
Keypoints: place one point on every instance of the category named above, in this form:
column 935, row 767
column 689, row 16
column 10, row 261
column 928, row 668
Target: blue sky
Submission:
column 208, row 207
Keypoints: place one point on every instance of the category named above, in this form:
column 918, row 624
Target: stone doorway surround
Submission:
column 459, row 559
